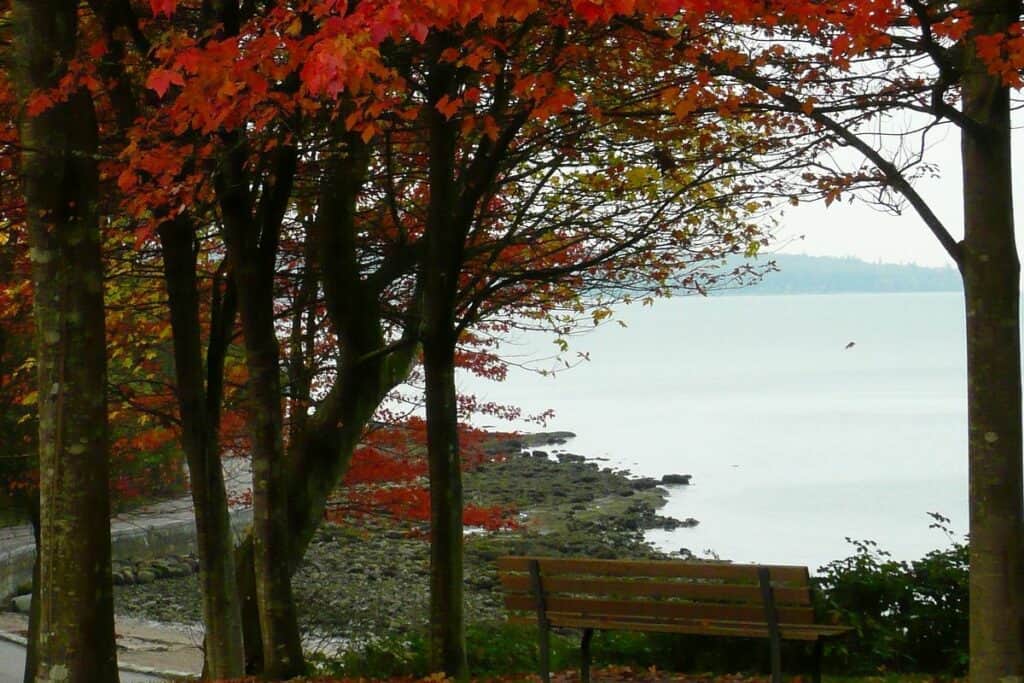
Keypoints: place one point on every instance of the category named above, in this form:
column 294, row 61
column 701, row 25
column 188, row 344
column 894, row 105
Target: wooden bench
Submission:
column 707, row 598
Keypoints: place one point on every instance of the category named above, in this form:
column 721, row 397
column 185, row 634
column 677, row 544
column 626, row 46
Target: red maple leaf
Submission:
column 161, row 79
column 165, row 7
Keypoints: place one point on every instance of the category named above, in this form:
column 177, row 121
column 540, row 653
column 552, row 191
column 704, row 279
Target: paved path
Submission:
column 12, row 666
column 141, row 645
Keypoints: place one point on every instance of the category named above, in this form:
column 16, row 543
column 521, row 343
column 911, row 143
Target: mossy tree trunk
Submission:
column 199, row 403
column 60, row 180
column 991, row 274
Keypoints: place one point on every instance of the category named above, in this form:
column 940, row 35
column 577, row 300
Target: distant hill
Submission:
column 800, row 274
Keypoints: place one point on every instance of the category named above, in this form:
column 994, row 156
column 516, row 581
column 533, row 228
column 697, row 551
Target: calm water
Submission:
column 793, row 441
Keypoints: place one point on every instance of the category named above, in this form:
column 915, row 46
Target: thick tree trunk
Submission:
column 76, row 625
column 222, row 616
column 991, row 273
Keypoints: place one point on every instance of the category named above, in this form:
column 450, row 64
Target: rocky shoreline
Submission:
column 371, row 575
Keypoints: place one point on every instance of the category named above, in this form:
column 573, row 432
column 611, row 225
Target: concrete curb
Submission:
column 139, row 538
column 15, row 639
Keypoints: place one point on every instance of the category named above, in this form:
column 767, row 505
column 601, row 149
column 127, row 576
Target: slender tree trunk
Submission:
column 222, row 616
column 252, row 253
column 282, row 651
column 316, row 465
column 991, row 274
column 76, row 621
column 369, row 368
column 447, row 613
column 445, row 237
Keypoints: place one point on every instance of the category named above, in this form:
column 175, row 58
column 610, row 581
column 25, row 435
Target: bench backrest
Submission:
column 658, row 590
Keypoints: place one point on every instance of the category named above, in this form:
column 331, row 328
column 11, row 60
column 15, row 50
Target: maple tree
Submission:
column 335, row 208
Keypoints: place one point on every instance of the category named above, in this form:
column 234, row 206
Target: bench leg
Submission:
column 588, row 633
column 819, row 647
column 776, row 655
column 545, row 653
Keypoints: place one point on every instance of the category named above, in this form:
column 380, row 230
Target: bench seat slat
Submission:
column 660, row 609
column 654, row 568
column 807, row 632
column 624, row 586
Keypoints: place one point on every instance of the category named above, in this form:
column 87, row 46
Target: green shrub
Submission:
column 908, row 616
column 381, row 657
column 493, row 649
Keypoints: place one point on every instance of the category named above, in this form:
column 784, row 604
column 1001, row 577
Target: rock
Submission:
column 23, row 588
column 503, row 447
column 676, row 479
column 540, row 454
column 371, row 577
column 161, row 568
column 145, row 576
column 22, row 603
column 180, row 569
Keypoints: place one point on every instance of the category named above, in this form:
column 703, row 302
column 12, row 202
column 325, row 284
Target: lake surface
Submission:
column 794, row 441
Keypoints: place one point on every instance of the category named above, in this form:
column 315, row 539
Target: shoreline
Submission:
column 370, row 575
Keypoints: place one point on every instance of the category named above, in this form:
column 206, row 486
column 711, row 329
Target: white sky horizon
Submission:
column 860, row 231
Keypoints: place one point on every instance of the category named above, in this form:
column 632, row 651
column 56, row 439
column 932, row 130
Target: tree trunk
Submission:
column 60, row 180
column 222, row 616
column 369, row 368
column 445, row 236
column 316, row 465
column 991, row 274
column 447, row 614
column 252, row 254
column 282, row 650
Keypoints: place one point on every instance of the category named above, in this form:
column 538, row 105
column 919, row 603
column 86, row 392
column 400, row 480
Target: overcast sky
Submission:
column 860, row 231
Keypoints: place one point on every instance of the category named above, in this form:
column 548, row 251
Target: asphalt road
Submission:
column 12, row 666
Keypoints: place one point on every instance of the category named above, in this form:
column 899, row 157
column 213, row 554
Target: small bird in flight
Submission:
column 850, row 345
